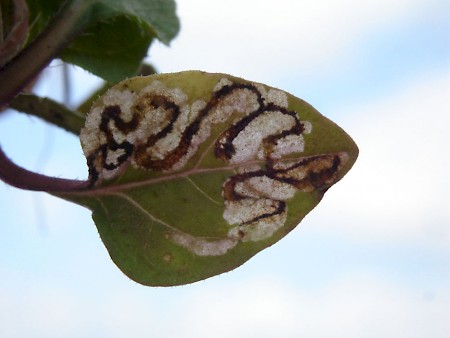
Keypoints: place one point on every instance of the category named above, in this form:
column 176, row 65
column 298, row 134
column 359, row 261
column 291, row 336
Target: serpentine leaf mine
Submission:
column 193, row 173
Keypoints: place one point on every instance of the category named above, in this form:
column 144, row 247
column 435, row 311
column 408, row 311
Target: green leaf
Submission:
column 117, row 35
column 194, row 173
column 41, row 13
column 113, row 49
column 159, row 14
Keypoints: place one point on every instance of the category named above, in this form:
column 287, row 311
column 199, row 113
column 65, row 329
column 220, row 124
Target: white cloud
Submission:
column 355, row 306
column 36, row 311
column 258, row 40
column 363, row 306
column 399, row 186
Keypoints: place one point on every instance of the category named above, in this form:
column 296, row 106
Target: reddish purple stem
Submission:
column 21, row 178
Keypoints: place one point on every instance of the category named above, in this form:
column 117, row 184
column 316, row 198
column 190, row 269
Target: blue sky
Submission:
column 373, row 259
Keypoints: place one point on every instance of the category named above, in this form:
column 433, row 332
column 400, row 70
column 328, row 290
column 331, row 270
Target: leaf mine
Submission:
column 213, row 169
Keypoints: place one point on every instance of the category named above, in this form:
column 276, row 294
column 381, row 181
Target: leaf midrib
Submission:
column 112, row 189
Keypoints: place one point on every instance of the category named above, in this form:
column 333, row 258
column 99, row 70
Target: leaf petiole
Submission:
column 50, row 111
column 21, row 178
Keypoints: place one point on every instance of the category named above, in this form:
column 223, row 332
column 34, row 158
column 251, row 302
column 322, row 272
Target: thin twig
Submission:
column 21, row 178
column 50, row 111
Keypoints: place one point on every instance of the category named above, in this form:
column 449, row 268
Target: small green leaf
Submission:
column 117, row 33
column 159, row 14
column 194, row 173
column 111, row 49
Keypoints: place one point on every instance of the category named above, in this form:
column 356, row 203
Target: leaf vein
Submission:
column 203, row 192
column 144, row 211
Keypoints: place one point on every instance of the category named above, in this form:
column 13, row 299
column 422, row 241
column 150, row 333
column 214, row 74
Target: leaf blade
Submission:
column 116, row 35
column 158, row 14
column 111, row 49
column 216, row 210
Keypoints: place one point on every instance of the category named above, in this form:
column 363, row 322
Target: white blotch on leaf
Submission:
column 258, row 230
column 203, row 247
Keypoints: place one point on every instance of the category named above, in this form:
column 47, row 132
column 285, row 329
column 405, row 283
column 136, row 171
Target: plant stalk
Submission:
column 50, row 111
column 70, row 20
column 21, row 178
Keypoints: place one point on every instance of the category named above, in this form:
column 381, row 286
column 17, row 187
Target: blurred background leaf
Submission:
column 117, row 36
column 111, row 49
